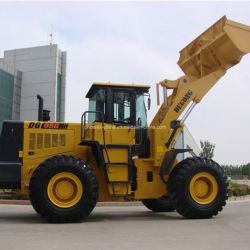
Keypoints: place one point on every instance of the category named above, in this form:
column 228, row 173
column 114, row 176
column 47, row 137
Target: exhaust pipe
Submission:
column 40, row 108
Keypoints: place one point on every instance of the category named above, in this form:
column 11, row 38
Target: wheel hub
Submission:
column 65, row 190
column 203, row 188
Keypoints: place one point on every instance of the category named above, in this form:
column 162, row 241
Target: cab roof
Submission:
column 96, row 85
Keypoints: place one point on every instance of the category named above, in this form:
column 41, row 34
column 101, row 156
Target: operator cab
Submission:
column 119, row 104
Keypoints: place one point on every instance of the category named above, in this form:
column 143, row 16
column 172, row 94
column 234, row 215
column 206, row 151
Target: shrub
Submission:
column 236, row 189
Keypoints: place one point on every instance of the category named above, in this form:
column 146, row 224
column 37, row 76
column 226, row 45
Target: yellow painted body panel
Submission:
column 148, row 190
column 111, row 84
column 121, row 84
column 121, row 135
column 40, row 144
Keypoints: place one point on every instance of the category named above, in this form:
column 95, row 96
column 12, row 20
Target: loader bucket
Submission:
column 220, row 46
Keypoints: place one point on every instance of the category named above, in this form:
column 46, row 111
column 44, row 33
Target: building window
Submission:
column 6, row 96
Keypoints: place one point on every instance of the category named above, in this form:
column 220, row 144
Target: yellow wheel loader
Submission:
column 114, row 155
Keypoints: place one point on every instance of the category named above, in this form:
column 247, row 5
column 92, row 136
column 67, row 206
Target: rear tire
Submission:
column 198, row 187
column 63, row 189
column 164, row 204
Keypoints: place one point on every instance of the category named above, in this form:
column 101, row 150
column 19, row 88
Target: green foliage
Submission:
column 233, row 185
column 242, row 170
column 207, row 149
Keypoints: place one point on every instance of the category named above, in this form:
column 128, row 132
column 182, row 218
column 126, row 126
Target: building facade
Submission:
column 10, row 93
column 26, row 72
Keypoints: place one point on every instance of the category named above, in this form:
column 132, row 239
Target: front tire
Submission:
column 63, row 189
column 198, row 188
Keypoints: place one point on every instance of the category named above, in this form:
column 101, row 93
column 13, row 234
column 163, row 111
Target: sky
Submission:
column 138, row 42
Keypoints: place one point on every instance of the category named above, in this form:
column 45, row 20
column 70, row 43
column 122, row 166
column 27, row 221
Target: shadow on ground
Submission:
column 98, row 215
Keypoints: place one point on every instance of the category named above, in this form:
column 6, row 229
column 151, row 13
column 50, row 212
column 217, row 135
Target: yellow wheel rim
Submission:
column 203, row 188
column 65, row 190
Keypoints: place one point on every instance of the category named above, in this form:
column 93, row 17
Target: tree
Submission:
column 207, row 149
column 233, row 170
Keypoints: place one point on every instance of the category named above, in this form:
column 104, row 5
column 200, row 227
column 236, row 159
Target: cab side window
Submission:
column 97, row 103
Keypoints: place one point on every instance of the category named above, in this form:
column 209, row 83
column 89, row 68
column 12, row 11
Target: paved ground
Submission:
column 126, row 228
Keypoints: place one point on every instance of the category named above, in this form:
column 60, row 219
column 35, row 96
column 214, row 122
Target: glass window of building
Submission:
column 6, row 96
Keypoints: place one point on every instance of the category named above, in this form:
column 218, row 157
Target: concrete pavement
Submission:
column 132, row 227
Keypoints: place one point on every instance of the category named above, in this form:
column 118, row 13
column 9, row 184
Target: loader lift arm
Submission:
column 204, row 61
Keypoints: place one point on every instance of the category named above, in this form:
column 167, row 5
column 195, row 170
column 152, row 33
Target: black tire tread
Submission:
column 178, row 193
column 39, row 176
column 163, row 204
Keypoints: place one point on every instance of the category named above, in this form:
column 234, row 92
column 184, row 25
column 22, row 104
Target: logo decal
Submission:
column 183, row 101
column 48, row 125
